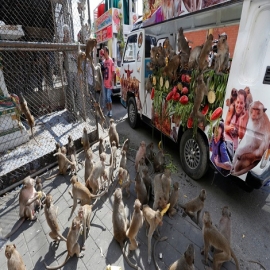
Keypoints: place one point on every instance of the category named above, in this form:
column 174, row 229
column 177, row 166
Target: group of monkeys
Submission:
column 98, row 178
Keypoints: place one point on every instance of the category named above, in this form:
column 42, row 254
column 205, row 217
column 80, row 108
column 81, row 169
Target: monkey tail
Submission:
column 154, row 250
column 99, row 194
column 34, row 136
column 59, row 266
column 134, row 266
column 258, row 264
column 235, row 260
column 67, row 160
column 52, row 176
column 15, row 229
column 62, row 237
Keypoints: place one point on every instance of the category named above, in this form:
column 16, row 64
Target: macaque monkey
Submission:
column 249, row 98
column 113, row 134
column 141, row 189
column 255, row 141
column 140, row 153
column 124, row 180
column 123, row 160
column 194, row 57
column 222, row 57
column 38, row 185
column 64, row 161
column 120, row 223
column 211, row 236
column 159, row 161
column 173, row 199
column 88, row 166
column 224, row 226
column 195, row 206
column 82, row 193
column 166, row 182
column 149, row 153
column 171, row 69
column 85, row 140
column 113, row 154
column 100, row 114
column 157, row 55
column 73, row 247
column 135, row 225
column 90, row 44
column 186, row 262
column 81, row 58
column 152, row 220
column 51, row 216
column 126, row 145
column 71, row 149
column 148, row 84
column 141, row 165
column 29, row 117
column 160, row 200
column 29, row 199
column 84, row 213
column 101, row 146
column 147, row 181
column 108, row 174
column 207, row 47
column 14, row 258
column 183, row 47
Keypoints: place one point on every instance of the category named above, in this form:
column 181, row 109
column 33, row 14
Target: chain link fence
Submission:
column 38, row 64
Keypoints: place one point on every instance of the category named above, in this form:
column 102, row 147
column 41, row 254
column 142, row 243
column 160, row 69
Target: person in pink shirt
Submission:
column 108, row 76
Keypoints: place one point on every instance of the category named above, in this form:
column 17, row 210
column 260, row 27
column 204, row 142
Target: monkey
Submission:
column 170, row 69
column 169, row 51
column 230, row 101
column 140, row 153
column 29, row 117
column 71, row 150
column 65, row 160
column 149, row 153
column 113, row 134
column 148, row 84
column 157, row 55
column 160, row 200
column 200, row 91
column 126, row 145
column 85, row 140
column 73, row 248
column 193, row 61
column 84, row 213
column 255, row 141
column 195, row 206
column 51, row 216
column 38, row 185
column 101, row 147
column 96, row 173
column 207, row 47
column 225, row 227
column 159, row 161
column 81, row 58
column 152, row 220
column 249, row 98
column 108, row 174
column 140, row 188
column 141, row 165
column 186, row 262
column 88, row 166
column 147, row 181
column 135, row 225
column 173, row 199
column 211, row 236
column 113, row 154
column 166, row 182
column 29, row 199
column 183, row 47
column 222, row 56
column 82, row 193
column 14, row 258
column 90, row 44
column 100, row 114
column 120, row 223
column 124, row 180
column 123, row 160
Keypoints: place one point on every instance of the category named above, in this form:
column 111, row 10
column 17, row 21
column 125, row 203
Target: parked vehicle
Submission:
column 214, row 111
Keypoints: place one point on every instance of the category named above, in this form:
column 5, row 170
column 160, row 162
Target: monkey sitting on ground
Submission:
column 173, row 200
column 84, row 213
column 224, row 226
column 211, row 236
column 88, row 165
column 135, row 225
column 85, row 140
column 140, row 153
column 149, row 153
column 159, row 161
column 51, row 216
column 160, row 200
column 71, row 149
column 73, row 248
column 120, row 223
column 113, row 134
column 82, row 193
column 195, row 206
column 140, row 188
column 101, row 146
column 14, row 258
column 100, row 114
column 186, row 262
column 29, row 117
column 166, row 182
column 64, row 161
column 147, row 181
column 123, row 160
column 124, row 180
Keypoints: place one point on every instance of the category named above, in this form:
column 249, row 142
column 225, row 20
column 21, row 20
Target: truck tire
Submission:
column 133, row 113
column 194, row 154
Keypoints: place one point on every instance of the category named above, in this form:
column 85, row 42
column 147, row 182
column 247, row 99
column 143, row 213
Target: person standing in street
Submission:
column 108, row 76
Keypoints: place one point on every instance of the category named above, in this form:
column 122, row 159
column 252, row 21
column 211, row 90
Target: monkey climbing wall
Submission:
column 40, row 88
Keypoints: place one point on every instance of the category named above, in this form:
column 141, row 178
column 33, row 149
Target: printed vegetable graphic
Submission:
column 183, row 100
column 184, row 90
column 153, row 93
column 176, row 96
column 216, row 114
column 190, row 122
column 169, row 96
column 205, row 109
column 187, row 79
column 183, row 77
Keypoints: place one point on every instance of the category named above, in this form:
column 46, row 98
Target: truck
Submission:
column 200, row 74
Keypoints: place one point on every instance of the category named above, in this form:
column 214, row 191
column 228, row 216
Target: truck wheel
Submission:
column 194, row 154
column 132, row 113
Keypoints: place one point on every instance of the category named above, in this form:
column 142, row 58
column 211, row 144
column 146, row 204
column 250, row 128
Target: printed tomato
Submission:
column 176, row 96
column 174, row 90
column 183, row 100
column 216, row 114
column 184, row 90
column 188, row 79
column 169, row 96
column 183, row 77
column 190, row 122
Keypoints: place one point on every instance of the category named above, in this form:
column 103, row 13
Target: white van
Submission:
column 230, row 125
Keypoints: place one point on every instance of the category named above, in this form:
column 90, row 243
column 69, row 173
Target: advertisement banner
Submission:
column 104, row 20
column 104, row 34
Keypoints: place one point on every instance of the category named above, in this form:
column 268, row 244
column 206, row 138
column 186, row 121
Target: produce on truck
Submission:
column 202, row 78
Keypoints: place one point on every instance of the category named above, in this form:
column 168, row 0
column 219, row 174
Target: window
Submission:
column 131, row 49
column 149, row 43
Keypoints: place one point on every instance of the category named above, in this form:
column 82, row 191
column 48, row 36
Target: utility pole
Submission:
column 89, row 15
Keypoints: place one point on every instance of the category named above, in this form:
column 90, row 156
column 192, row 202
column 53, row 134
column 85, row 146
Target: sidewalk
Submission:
column 35, row 245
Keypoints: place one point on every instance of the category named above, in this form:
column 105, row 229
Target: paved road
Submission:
column 250, row 218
